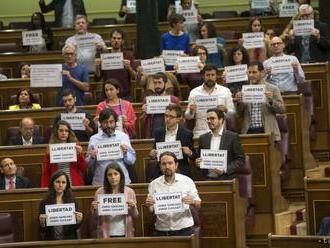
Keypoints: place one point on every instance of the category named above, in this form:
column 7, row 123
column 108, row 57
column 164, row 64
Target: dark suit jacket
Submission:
column 21, row 182
column 229, row 141
column 186, row 138
column 319, row 51
column 17, row 140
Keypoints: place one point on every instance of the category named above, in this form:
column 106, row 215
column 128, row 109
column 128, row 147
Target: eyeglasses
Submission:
column 306, row 15
column 276, row 44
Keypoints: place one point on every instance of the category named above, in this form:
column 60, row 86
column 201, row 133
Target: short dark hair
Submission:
column 258, row 64
column 209, row 67
column 219, row 113
column 176, row 108
column 161, row 75
column 245, row 59
column 117, row 30
column 167, row 153
column 174, row 19
column 68, row 92
column 106, row 114
column 194, row 52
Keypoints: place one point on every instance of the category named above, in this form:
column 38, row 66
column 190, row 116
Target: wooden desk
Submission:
column 221, row 214
column 317, row 198
column 293, row 241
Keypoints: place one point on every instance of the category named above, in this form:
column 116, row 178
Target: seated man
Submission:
column 173, row 131
column 26, row 134
column 221, row 139
column 108, row 119
column 261, row 117
column 69, row 102
column 9, row 179
column 178, row 223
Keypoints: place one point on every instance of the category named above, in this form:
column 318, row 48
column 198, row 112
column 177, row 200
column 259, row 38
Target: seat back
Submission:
column 6, row 228
column 225, row 14
column 244, row 176
column 36, row 96
column 14, row 131
column 19, row 25
column 104, row 21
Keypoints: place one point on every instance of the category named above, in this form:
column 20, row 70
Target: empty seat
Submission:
column 206, row 16
column 88, row 98
column 229, row 35
column 225, row 14
column 19, row 25
column 6, row 228
column 104, row 21
column 9, row 47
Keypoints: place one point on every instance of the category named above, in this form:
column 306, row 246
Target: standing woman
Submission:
column 38, row 22
column 25, row 100
column 59, row 192
column 124, row 109
column 62, row 133
column 119, row 225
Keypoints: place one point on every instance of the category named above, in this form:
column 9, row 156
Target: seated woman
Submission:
column 62, row 133
column 123, row 108
column 118, row 225
column 59, row 192
column 25, row 100
column 24, row 70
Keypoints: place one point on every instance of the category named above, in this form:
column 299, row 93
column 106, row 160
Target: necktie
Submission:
column 12, row 184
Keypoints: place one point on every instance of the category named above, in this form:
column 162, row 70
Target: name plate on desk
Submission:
column 62, row 153
column 60, row 214
column 112, row 204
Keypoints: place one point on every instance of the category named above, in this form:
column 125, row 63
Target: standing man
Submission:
column 125, row 75
column 69, row 102
column 9, row 179
column 75, row 76
column 208, row 88
column 108, row 119
column 65, row 11
column 174, row 131
column 86, row 43
column 179, row 223
column 261, row 117
column 220, row 139
column 285, row 81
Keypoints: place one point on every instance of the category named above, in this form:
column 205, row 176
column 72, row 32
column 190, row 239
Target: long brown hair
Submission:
column 54, row 136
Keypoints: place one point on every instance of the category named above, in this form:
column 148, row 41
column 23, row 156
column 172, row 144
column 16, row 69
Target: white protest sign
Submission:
column 188, row 64
column 253, row 40
column 173, row 146
column 288, row 9
column 60, row 214
column 157, row 104
column 213, row 159
column 168, row 203
column 112, row 204
column 171, row 56
column 87, row 44
column 62, row 153
column 260, row 4
column 210, row 44
column 254, row 93
column 152, row 66
column 236, row 73
column 75, row 120
column 303, row 27
column 31, row 38
column 46, row 75
column 206, row 102
column 281, row 64
column 109, row 151
column 112, row 61
column 190, row 16
column 131, row 6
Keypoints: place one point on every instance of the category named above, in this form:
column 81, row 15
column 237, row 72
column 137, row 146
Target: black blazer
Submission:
column 17, row 140
column 21, row 182
column 229, row 141
column 186, row 138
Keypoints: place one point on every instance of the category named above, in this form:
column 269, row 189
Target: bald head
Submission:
column 277, row 46
column 26, row 128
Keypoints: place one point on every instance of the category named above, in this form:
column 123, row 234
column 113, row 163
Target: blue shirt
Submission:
column 99, row 166
column 78, row 72
column 216, row 58
column 171, row 42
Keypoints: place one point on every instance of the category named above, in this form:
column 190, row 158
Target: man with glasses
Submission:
column 283, row 70
column 314, row 47
column 174, row 131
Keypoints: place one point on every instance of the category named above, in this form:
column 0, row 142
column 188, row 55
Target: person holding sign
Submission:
column 211, row 93
column 100, row 153
column 260, row 117
column 83, row 124
column 59, row 193
column 76, row 170
column 174, row 131
column 114, row 223
column 25, row 100
column 263, row 7
column 175, row 218
column 283, row 70
column 124, row 109
column 151, row 120
column 224, row 140
column 75, row 76
column 314, row 47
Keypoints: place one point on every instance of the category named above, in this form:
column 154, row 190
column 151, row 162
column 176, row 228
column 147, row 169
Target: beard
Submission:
column 209, row 83
column 159, row 91
column 108, row 131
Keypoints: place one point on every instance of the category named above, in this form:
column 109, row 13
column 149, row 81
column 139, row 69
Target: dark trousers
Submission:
column 182, row 232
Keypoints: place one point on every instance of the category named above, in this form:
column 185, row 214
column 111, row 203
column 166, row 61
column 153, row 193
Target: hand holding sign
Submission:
column 79, row 216
column 124, row 148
